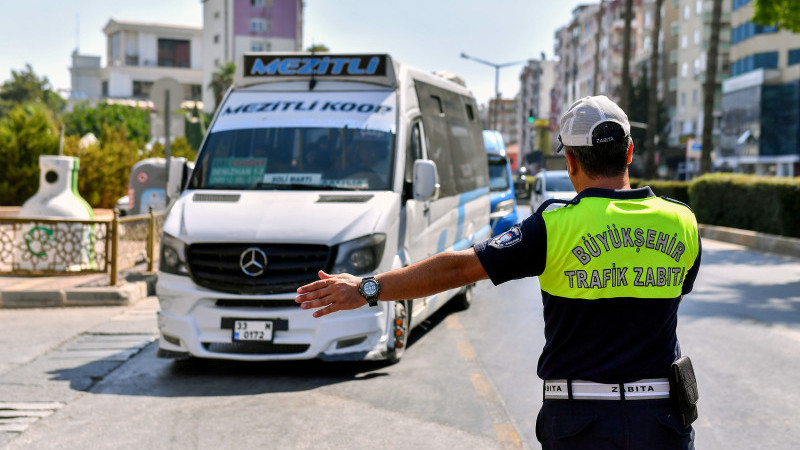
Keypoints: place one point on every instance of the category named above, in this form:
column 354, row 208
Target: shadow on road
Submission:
column 197, row 377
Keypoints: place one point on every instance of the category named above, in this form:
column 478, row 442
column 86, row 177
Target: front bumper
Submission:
column 197, row 321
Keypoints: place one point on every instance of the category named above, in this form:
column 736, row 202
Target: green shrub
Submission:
column 765, row 204
column 676, row 190
column 25, row 133
column 105, row 167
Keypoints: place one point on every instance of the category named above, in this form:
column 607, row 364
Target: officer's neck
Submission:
column 581, row 181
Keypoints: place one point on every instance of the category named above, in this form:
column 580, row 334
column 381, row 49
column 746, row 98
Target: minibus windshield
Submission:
column 340, row 140
column 295, row 159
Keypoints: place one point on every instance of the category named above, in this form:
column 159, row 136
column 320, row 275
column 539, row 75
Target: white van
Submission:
column 341, row 163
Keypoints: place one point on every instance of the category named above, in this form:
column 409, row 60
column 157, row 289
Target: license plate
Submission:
column 252, row 330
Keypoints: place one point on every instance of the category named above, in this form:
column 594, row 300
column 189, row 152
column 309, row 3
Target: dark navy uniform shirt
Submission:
column 612, row 278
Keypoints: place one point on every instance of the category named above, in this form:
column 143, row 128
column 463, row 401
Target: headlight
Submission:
column 173, row 255
column 360, row 255
column 503, row 208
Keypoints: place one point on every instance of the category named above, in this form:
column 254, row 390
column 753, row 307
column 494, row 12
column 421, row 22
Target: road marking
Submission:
column 505, row 433
column 507, row 436
column 453, row 323
column 465, row 350
column 15, row 417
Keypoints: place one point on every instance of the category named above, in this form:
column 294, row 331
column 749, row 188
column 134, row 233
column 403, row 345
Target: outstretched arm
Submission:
column 438, row 273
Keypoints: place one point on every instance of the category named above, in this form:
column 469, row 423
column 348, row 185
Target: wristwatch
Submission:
column 370, row 288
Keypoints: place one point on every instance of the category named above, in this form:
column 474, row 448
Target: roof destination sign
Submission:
column 375, row 68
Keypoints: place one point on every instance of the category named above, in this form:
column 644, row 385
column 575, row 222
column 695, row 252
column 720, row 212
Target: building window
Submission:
column 684, row 70
column 142, row 89
column 259, row 25
column 695, row 97
column 697, row 37
column 698, row 7
column 768, row 60
column 261, row 3
column 794, row 56
column 684, row 41
column 216, row 15
column 173, row 53
column 259, row 46
column 193, row 92
column 686, row 12
column 216, row 39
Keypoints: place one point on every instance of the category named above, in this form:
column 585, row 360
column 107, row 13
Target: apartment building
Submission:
column 536, row 80
column 667, row 70
column 694, row 30
column 138, row 54
column 505, row 118
column 590, row 54
column 234, row 27
column 760, row 129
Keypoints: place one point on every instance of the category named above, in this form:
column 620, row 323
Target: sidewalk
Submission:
column 136, row 284
column 76, row 290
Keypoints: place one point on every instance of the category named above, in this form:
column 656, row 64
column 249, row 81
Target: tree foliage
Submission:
column 104, row 167
column 26, row 132
column 26, row 87
column 85, row 118
column 179, row 148
column 783, row 13
column 221, row 80
column 318, row 48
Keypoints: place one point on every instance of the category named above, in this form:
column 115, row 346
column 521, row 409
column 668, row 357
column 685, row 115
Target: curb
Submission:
column 125, row 294
column 770, row 243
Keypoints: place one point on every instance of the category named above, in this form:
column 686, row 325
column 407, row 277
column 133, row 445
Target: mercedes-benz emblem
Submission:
column 253, row 261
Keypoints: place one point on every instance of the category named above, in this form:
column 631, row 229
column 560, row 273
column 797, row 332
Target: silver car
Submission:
column 551, row 184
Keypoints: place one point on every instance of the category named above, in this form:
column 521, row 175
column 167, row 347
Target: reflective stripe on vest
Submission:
column 605, row 248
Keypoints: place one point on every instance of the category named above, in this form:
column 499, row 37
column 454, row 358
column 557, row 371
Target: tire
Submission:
column 463, row 300
column 401, row 320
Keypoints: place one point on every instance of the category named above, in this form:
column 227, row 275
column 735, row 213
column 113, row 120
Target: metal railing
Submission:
column 56, row 246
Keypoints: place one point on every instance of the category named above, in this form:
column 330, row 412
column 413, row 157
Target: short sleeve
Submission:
column 691, row 274
column 517, row 253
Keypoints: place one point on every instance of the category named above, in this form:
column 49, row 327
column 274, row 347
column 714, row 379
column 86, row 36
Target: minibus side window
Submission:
column 413, row 153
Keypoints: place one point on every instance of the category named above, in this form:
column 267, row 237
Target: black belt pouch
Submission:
column 683, row 389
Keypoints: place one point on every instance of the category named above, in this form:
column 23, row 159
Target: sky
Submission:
column 428, row 34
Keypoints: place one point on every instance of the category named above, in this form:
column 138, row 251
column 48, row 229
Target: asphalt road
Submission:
column 89, row 378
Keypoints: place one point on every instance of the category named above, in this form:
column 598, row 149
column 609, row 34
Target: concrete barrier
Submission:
column 770, row 243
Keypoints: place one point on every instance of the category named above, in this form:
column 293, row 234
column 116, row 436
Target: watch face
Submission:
column 370, row 288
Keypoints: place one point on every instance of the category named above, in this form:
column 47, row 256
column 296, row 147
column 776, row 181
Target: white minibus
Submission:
column 341, row 163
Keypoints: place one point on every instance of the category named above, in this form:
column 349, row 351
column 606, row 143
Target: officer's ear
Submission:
column 572, row 163
column 630, row 150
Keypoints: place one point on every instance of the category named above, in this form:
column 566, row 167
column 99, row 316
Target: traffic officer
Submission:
column 613, row 265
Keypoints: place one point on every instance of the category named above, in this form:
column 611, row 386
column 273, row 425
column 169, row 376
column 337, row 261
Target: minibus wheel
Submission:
column 401, row 318
column 463, row 299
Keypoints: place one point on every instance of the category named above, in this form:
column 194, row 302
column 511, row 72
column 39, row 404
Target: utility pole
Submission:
column 493, row 113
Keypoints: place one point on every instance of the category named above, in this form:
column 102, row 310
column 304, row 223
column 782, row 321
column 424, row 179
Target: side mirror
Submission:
column 426, row 180
column 175, row 177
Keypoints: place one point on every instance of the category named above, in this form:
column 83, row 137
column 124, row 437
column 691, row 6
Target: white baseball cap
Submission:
column 580, row 120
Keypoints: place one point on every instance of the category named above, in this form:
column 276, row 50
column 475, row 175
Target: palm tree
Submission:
column 626, row 56
column 221, row 80
column 710, row 88
column 652, row 96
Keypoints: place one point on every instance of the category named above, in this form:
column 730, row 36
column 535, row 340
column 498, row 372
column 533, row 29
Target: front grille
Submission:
column 255, row 348
column 256, row 303
column 289, row 266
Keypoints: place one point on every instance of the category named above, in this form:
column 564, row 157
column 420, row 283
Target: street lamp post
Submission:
column 493, row 111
